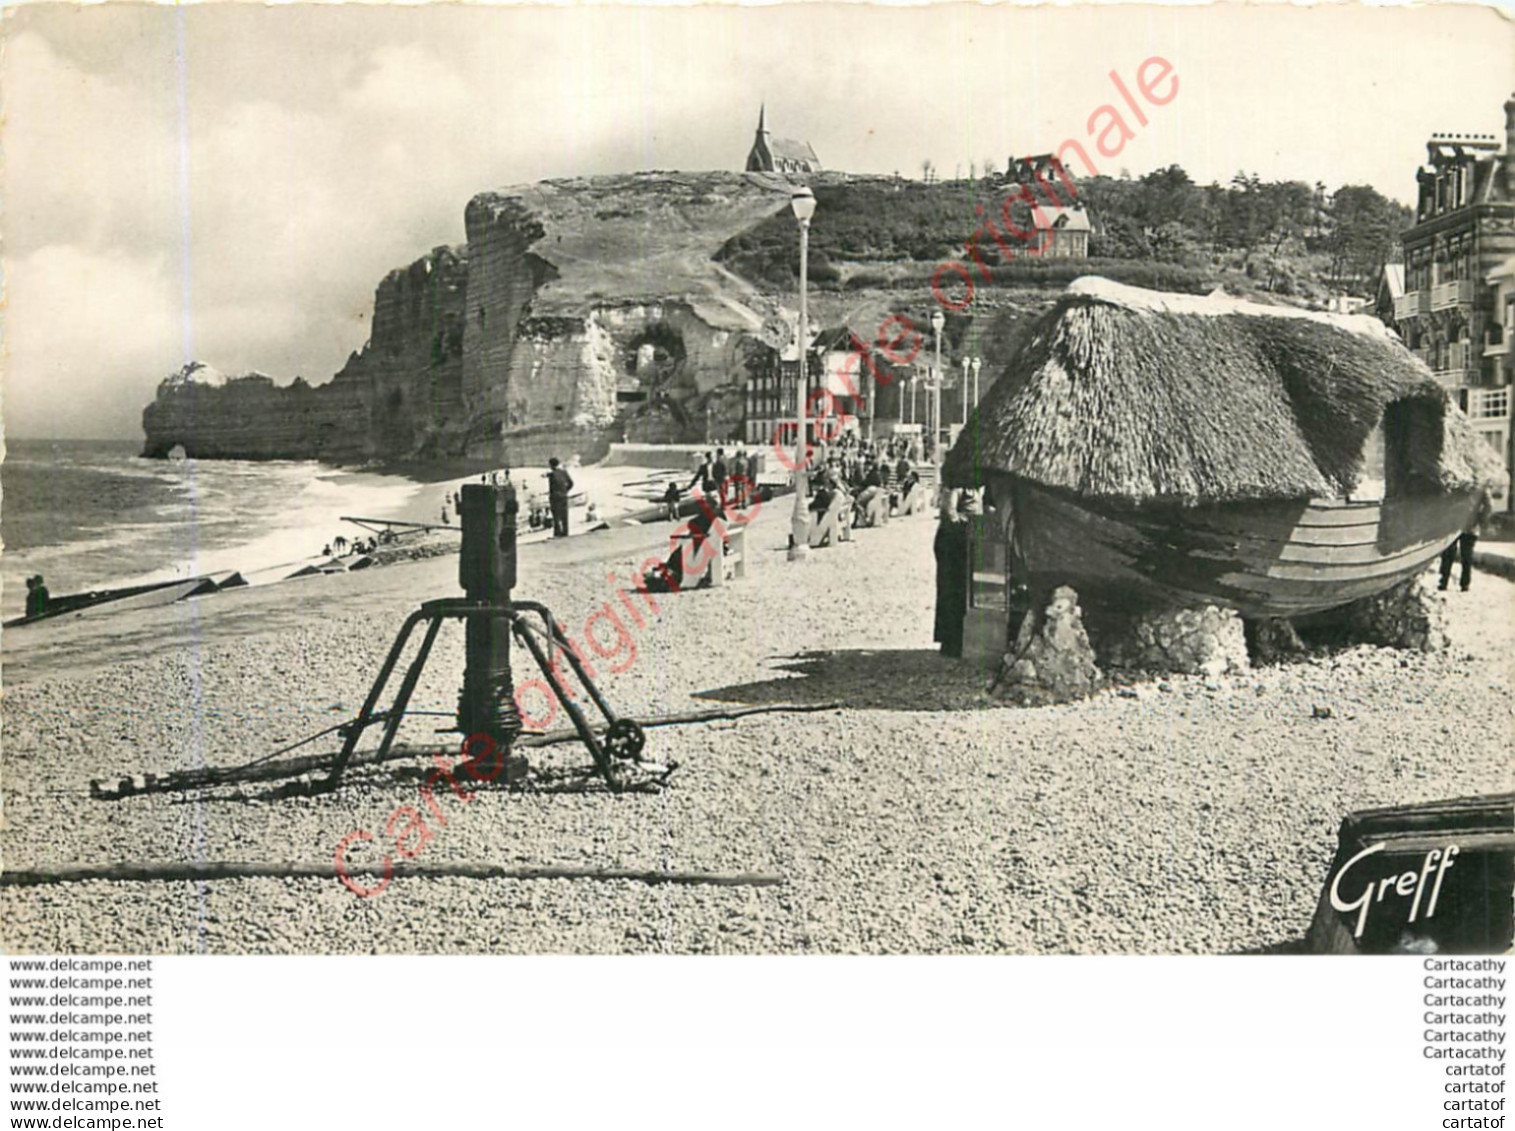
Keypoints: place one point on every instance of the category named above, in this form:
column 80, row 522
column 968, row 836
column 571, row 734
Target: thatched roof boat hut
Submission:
column 1200, row 449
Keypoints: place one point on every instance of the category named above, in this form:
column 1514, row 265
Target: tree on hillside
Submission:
column 1167, row 196
column 1261, row 217
column 1289, row 209
column 1319, row 203
column 1365, row 225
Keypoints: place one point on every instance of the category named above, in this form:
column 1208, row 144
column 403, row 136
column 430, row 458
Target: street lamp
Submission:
column 938, row 321
column 802, row 201
column 964, row 389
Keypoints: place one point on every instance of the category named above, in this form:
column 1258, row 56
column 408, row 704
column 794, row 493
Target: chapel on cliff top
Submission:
column 771, row 154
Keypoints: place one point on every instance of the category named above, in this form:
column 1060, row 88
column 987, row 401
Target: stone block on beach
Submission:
column 1274, row 640
column 1053, row 661
column 1409, row 616
column 1210, row 641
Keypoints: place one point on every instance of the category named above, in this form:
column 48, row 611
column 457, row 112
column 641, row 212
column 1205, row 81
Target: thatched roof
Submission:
column 1135, row 394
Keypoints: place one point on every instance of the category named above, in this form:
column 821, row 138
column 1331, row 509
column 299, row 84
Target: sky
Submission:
column 229, row 183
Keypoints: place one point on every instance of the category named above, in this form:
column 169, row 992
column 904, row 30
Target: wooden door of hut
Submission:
column 997, row 594
column 986, row 622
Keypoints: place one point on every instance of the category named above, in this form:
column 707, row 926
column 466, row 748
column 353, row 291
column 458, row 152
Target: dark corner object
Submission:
column 1437, row 877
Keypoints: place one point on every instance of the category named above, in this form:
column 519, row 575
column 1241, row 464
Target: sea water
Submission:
column 90, row 514
column 93, row 514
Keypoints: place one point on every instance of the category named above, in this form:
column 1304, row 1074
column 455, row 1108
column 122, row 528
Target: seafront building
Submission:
column 771, row 397
column 1495, row 402
column 1453, row 303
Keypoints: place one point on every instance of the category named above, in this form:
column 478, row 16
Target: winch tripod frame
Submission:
column 623, row 736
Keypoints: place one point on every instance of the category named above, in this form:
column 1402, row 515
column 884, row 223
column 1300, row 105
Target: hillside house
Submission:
column 1068, row 230
column 1046, row 176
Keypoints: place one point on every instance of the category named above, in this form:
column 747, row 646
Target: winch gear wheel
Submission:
column 625, row 740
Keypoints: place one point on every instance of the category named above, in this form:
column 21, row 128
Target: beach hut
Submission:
column 1180, row 451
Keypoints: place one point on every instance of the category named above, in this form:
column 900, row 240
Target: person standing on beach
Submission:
column 950, row 549
column 1463, row 546
column 559, row 483
column 36, row 596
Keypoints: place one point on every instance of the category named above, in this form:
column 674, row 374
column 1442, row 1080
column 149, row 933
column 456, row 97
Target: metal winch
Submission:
column 491, row 616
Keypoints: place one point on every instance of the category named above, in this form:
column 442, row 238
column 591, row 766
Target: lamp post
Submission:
column 938, row 321
column 803, row 204
column 977, row 362
column 964, row 389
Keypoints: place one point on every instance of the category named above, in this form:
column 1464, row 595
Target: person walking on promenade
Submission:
column 704, row 478
column 1463, row 546
column 559, row 483
column 671, row 502
column 719, row 471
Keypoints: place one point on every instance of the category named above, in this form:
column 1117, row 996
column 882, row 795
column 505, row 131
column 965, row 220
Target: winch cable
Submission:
column 227, row 775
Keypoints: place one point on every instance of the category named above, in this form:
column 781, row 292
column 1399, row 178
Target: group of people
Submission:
column 719, row 478
column 454, row 499
column 722, row 482
column 539, row 515
column 851, row 457
column 340, row 545
column 863, row 472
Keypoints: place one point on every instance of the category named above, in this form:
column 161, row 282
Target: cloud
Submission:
column 325, row 145
column 408, row 80
column 78, row 318
column 89, row 160
column 293, row 214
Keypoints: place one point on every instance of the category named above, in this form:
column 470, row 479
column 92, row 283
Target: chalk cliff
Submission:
column 579, row 312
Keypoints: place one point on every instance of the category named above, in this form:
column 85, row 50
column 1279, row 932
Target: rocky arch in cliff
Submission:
column 655, row 363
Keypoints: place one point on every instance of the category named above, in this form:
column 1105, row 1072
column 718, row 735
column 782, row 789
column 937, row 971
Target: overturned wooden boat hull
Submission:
column 1283, row 558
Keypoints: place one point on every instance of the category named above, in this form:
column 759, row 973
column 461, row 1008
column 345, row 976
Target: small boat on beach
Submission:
column 1281, row 558
column 149, row 595
column 1177, row 450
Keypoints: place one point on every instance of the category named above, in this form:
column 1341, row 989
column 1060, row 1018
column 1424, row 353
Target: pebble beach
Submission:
column 1174, row 816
